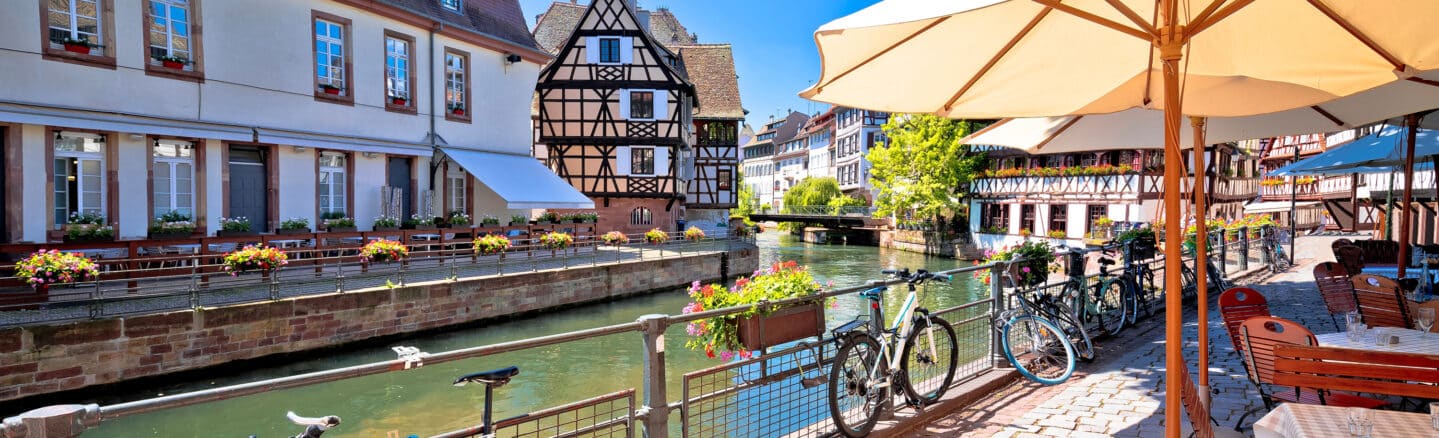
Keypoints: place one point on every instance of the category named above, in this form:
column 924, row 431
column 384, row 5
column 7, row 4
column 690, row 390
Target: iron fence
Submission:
column 606, row 416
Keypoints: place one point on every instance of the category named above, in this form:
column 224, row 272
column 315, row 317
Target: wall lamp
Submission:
column 512, row 58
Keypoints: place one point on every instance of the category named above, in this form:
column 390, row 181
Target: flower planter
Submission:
column 399, row 101
column 579, row 221
column 227, row 233
column 391, row 228
column 458, row 112
column 163, row 235
column 87, row 239
column 78, row 48
column 422, row 227
column 292, row 231
column 341, row 229
column 518, row 224
column 177, row 65
column 784, row 325
column 329, row 90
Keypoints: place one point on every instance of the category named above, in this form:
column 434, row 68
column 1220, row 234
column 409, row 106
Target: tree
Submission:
column 746, row 200
column 810, row 192
column 923, row 167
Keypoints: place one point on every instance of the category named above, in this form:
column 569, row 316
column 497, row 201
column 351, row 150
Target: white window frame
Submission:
column 592, row 50
column 453, row 5
column 169, row 29
column 335, row 192
column 397, row 77
column 173, row 163
column 455, row 187
column 455, row 80
column 336, row 76
column 81, row 157
column 74, row 29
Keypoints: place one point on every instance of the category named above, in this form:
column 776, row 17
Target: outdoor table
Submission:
column 1409, row 342
column 1291, row 420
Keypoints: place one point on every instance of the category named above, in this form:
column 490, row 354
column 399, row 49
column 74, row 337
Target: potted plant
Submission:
column 417, row 222
column 386, row 223
column 87, row 227
column 589, row 218
column 330, row 89
column 489, row 221
column 762, row 326
column 254, row 258
column 556, row 240
column 656, row 236
column 172, row 225
column 457, row 109
column 234, row 227
column 615, row 238
column 46, row 268
column 337, row 222
column 174, row 62
column 400, row 99
column 694, row 234
column 383, row 250
column 294, row 225
column 1057, row 234
column 78, row 45
column 492, row 244
column 459, row 218
column 739, row 231
column 1031, row 261
column 519, row 220
column 550, row 217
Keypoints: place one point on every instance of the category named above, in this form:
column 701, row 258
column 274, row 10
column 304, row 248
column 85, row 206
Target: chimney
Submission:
column 539, row 17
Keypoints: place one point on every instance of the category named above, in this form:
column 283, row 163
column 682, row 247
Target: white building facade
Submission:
column 856, row 132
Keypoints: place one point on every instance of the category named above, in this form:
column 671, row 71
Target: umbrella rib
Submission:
column 1424, row 81
column 1138, row 21
column 1333, row 16
column 991, row 126
column 926, row 28
column 1199, row 26
column 1061, row 130
column 995, row 59
column 1097, row 19
column 1327, row 115
column 1204, row 15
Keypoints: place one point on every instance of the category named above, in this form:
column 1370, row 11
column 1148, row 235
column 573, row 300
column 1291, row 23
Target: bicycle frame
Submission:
column 901, row 328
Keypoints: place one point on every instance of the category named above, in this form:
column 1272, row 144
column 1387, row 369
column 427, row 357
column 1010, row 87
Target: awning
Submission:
column 1275, row 206
column 347, row 143
column 119, row 122
column 519, row 179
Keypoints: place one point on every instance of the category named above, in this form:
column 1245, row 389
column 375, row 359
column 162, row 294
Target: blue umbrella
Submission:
column 1379, row 152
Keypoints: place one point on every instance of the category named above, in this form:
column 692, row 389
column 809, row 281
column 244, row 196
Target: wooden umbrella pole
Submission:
column 1171, row 45
column 1201, row 256
column 1411, row 125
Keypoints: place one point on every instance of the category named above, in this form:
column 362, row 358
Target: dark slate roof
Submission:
column 667, row 30
column 711, row 68
column 501, row 19
column 554, row 27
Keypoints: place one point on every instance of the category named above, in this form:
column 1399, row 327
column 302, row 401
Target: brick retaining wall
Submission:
column 44, row 359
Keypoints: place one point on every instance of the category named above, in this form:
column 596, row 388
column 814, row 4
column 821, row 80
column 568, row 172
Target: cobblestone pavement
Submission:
column 1122, row 392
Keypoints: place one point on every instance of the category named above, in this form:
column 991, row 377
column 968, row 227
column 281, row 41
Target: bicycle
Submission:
column 1032, row 343
column 1139, row 276
column 1110, row 300
column 1274, row 240
column 491, row 379
column 314, row 427
column 866, row 372
column 1052, row 307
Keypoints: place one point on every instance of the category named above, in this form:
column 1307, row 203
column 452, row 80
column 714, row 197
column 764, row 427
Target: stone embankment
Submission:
column 928, row 242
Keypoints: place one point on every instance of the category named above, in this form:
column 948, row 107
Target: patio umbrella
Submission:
column 992, row 59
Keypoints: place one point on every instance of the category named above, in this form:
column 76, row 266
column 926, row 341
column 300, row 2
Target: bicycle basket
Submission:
column 1142, row 248
column 1074, row 263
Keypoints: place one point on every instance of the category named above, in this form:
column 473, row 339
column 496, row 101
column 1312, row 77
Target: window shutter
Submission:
column 662, row 161
column 622, row 161
column 627, row 50
column 592, row 50
column 624, row 105
column 662, row 104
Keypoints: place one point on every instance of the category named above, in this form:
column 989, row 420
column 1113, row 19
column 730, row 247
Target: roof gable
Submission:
column 613, row 18
column 711, row 68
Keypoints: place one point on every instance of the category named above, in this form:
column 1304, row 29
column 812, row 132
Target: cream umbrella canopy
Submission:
column 995, row 59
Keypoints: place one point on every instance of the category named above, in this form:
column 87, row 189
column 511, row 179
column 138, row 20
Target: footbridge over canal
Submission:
column 824, row 215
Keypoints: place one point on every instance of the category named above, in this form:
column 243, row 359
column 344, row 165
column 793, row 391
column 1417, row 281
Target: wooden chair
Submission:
column 1238, row 304
column 1375, row 372
column 1339, row 242
column 1380, row 301
column 1351, row 257
column 1261, row 335
column 1335, row 288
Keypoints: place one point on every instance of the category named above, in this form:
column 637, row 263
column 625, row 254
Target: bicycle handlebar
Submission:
column 919, row 276
column 314, row 426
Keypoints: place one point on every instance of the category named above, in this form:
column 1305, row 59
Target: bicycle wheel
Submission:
column 930, row 355
column 1037, row 350
column 1059, row 314
column 1148, row 291
column 1191, row 287
column 1109, row 302
column 1131, row 300
column 854, row 400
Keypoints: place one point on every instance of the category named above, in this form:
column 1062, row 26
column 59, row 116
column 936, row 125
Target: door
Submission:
column 249, row 186
column 399, row 177
column 4, row 226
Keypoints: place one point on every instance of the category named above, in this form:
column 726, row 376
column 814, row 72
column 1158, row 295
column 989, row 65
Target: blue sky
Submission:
column 773, row 43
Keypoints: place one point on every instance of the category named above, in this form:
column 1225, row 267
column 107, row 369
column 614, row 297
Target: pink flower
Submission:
column 726, row 356
column 1025, row 269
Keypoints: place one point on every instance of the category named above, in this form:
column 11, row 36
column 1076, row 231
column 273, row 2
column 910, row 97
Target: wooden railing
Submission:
column 1060, row 185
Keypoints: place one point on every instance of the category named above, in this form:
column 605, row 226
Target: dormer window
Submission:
column 453, row 5
column 610, row 50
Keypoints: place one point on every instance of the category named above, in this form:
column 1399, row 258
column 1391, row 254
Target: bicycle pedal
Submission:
column 813, row 381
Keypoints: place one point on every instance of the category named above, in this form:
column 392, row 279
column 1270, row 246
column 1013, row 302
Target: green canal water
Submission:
column 422, row 401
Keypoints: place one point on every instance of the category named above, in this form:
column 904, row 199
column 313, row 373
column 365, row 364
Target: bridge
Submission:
column 828, row 216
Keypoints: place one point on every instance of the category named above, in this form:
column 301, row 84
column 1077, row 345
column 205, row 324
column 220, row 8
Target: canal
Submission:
column 422, row 401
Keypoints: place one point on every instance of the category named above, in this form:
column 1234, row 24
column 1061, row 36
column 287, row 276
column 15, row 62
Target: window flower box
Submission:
column 519, row 220
column 169, row 234
column 292, row 231
column 386, row 223
column 761, row 326
column 45, row 268
column 330, row 89
column 234, row 227
column 229, row 233
column 173, row 62
column 457, row 109
column 399, row 101
column 293, row 226
column 784, row 325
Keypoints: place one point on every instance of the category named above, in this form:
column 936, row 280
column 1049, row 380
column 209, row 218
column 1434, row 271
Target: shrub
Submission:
column 383, row 250
column 45, row 268
column 492, row 244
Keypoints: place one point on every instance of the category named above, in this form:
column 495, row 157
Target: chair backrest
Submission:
column 1380, row 301
column 1261, row 335
column 1351, row 257
column 1339, row 242
column 1334, row 286
column 1376, row 372
column 1238, row 304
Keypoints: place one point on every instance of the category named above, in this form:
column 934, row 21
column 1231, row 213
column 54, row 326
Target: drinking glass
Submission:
column 1381, row 336
column 1425, row 320
column 1361, row 422
column 1434, row 415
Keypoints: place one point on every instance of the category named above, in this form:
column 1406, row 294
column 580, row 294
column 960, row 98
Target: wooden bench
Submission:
column 1343, row 369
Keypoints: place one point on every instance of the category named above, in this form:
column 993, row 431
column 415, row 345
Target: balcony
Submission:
column 1307, row 147
column 1077, row 186
column 1236, row 188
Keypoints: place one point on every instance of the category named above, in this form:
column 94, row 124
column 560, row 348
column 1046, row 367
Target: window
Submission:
column 457, row 85
column 725, row 177
column 455, row 188
column 1027, row 218
column 1094, row 212
column 332, row 182
column 170, row 30
column 332, row 52
column 609, row 50
column 77, row 21
column 1058, row 218
column 642, row 105
column 173, row 177
column 453, row 5
column 995, row 219
column 399, row 73
column 641, row 216
column 642, row 161
column 79, row 174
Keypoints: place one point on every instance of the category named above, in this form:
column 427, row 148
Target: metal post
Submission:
column 1293, row 206
column 997, row 307
column 59, row 421
column 656, row 409
column 1243, row 249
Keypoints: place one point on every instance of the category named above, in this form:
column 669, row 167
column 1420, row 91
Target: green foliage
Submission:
column 1032, row 262
column 719, row 336
column 748, row 200
column 813, row 191
column 841, row 201
column 923, row 167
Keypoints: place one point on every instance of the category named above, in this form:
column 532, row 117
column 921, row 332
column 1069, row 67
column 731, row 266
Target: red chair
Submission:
column 1335, row 288
column 1261, row 334
column 1380, row 301
column 1238, row 304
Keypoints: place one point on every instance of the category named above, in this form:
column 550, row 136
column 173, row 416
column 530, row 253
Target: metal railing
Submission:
column 187, row 281
column 824, row 210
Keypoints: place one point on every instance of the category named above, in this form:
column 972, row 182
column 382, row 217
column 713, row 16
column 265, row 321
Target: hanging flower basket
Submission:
column 656, row 236
column 761, row 326
column 383, row 250
column 45, row 268
column 556, row 240
column 492, row 244
column 255, row 258
column 615, row 238
column 694, row 234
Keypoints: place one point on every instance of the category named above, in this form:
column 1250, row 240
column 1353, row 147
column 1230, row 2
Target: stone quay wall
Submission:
column 928, row 242
column 52, row 358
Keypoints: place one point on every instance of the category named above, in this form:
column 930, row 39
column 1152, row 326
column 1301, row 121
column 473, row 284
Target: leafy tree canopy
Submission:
column 747, row 199
column 813, row 191
column 923, row 167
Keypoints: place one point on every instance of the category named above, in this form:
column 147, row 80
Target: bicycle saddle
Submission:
column 497, row 376
column 1105, row 261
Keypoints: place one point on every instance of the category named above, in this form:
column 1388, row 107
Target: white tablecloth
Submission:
column 1314, row 421
column 1409, row 341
